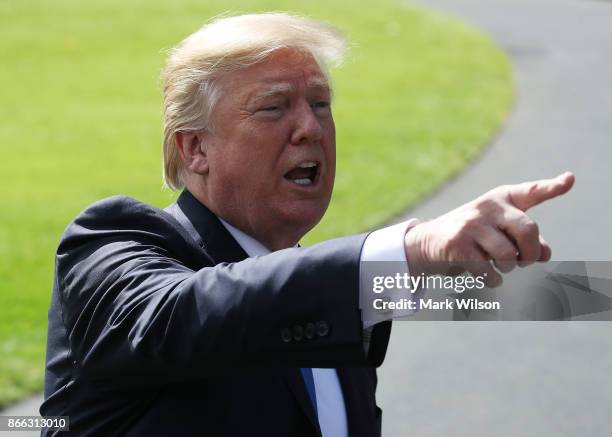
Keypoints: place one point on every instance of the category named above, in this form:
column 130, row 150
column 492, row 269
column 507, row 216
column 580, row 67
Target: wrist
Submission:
column 413, row 250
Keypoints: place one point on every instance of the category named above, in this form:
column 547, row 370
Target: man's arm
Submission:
column 135, row 306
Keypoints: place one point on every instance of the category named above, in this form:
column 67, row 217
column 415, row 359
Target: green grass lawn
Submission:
column 80, row 119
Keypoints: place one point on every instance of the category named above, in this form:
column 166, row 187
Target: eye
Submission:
column 321, row 106
column 270, row 108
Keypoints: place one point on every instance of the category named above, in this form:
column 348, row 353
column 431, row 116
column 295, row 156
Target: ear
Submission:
column 193, row 151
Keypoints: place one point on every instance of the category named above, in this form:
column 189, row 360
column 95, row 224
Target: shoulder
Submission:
column 119, row 212
column 125, row 221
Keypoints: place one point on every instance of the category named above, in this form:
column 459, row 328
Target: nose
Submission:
column 307, row 128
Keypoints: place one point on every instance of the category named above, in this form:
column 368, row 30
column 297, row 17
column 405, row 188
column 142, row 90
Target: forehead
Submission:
column 283, row 70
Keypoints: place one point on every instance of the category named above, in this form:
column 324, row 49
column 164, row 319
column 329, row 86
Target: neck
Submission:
column 273, row 237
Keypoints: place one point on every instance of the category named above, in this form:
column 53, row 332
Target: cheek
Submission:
column 329, row 129
column 253, row 177
column 261, row 161
column 331, row 151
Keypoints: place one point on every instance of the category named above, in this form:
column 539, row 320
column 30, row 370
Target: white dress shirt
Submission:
column 386, row 244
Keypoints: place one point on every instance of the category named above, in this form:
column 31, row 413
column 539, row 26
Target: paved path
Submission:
column 527, row 379
column 28, row 407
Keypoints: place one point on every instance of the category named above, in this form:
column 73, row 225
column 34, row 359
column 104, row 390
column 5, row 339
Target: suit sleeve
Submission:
column 135, row 308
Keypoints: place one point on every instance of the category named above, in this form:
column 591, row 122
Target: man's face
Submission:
column 271, row 149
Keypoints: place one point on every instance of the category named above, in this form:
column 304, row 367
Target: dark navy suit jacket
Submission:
column 153, row 331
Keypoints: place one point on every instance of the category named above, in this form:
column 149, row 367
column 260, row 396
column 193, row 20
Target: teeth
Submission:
column 307, row 164
column 303, row 181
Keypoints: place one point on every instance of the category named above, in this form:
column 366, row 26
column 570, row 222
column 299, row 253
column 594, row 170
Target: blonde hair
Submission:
column 228, row 44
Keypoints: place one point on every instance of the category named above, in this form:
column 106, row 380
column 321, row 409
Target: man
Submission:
column 206, row 319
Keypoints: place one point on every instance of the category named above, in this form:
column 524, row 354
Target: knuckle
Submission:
column 486, row 203
column 470, row 220
column 467, row 225
column 508, row 254
column 489, row 208
column 530, row 228
column 533, row 188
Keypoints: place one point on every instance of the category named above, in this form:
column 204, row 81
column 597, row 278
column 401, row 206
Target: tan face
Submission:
column 271, row 149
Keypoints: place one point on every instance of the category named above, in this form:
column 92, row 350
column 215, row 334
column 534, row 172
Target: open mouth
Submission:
column 305, row 174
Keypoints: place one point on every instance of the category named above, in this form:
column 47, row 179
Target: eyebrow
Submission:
column 318, row 82
column 273, row 90
column 282, row 88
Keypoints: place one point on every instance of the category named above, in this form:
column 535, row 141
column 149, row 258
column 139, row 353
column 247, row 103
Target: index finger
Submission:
column 530, row 194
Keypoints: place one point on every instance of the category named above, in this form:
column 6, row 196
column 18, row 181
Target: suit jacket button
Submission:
column 298, row 332
column 310, row 330
column 286, row 335
column 322, row 329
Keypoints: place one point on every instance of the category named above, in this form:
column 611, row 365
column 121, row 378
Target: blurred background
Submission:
column 437, row 102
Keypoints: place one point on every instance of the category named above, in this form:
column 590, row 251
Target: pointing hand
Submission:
column 491, row 228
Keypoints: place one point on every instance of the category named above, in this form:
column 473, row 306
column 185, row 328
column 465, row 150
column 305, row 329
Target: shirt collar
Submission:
column 250, row 245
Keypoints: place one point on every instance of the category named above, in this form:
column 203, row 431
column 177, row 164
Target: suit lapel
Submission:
column 219, row 245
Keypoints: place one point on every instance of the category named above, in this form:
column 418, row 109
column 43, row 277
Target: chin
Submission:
column 305, row 217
